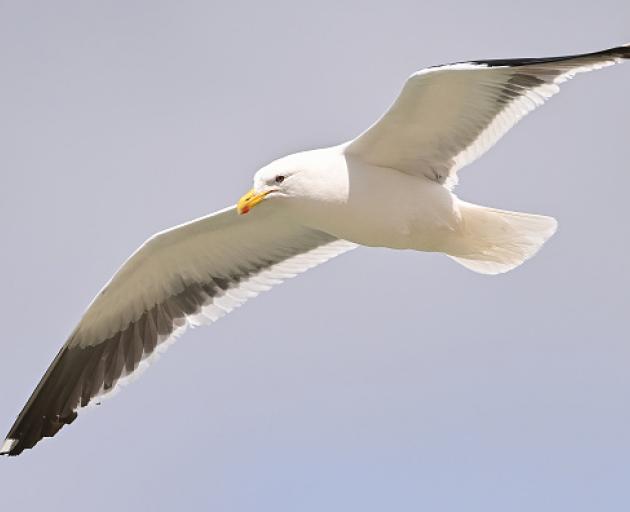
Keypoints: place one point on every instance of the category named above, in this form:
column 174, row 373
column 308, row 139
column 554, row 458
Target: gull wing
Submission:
column 191, row 274
column 448, row 116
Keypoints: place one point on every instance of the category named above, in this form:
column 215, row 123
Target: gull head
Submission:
column 270, row 182
column 297, row 176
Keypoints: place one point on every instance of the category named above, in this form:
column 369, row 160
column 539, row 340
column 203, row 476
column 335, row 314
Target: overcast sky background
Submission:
column 382, row 380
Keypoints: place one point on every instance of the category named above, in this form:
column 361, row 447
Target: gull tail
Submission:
column 496, row 241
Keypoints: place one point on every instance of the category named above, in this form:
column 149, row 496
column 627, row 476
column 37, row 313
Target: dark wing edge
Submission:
column 618, row 52
column 80, row 373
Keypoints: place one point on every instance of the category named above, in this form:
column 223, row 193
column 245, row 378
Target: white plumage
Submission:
column 390, row 187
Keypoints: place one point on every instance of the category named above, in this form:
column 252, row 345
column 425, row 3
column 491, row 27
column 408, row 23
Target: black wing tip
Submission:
column 619, row 52
column 79, row 374
column 17, row 441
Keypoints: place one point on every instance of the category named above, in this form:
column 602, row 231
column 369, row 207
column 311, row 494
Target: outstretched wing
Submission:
column 191, row 274
column 448, row 116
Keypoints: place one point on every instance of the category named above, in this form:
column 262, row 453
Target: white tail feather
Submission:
column 496, row 241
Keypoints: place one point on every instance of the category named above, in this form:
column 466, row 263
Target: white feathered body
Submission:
column 371, row 205
column 383, row 207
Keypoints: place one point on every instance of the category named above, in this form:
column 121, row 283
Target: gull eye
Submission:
column 279, row 179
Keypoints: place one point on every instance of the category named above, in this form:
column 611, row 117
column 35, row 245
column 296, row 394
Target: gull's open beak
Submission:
column 249, row 200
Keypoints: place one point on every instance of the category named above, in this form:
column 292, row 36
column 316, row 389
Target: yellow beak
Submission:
column 249, row 200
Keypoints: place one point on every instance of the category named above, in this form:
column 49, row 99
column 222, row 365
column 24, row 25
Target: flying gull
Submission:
column 389, row 187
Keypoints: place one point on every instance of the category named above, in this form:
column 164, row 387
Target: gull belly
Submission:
column 383, row 207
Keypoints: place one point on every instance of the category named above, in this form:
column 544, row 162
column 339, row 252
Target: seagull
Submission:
column 389, row 187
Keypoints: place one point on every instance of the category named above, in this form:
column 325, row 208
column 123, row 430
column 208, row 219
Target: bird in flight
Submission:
column 389, row 187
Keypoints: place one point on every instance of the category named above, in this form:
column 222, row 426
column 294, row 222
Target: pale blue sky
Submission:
column 382, row 380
